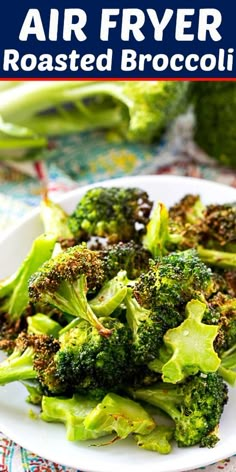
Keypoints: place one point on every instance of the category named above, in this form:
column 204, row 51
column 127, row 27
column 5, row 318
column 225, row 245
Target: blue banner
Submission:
column 87, row 39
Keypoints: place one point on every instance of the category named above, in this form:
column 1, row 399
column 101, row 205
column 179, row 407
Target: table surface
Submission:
column 77, row 160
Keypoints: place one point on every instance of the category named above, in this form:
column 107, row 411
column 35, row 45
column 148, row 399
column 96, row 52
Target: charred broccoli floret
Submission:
column 218, row 225
column 32, row 358
column 174, row 280
column 195, row 406
column 64, row 280
column 87, row 360
column 222, row 311
column 111, row 213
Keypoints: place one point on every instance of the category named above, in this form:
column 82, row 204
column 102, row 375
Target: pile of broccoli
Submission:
column 119, row 303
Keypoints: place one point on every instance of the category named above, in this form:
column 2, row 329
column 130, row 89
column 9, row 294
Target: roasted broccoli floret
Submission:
column 173, row 281
column 218, row 225
column 148, row 328
column 120, row 415
column 130, row 256
column 195, row 406
column 111, row 213
column 64, row 280
column 188, row 210
column 87, row 360
column 222, row 311
column 14, row 296
column 32, row 358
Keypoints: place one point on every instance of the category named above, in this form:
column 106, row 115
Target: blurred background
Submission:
column 66, row 134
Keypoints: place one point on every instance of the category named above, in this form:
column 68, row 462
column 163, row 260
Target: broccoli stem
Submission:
column 18, row 366
column 71, row 298
column 222, row 259
column 165, row 397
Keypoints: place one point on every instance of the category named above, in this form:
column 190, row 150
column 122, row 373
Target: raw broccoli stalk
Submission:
column 174, row 280
column 158, row 440
column 195, row 406
column 72, row 412
column 120, row 415
column 86, row 360
column 111, row 213
column 42, row 324
column 110, row 296
column 191, row 346
column 64, row 280
column 55, row 221
column 14, row 296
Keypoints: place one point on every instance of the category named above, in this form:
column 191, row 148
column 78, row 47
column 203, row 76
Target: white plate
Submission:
column 48, row 440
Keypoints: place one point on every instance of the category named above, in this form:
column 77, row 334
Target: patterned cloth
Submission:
column 77, row 160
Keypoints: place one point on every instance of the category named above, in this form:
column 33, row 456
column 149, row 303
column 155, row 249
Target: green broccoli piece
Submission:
column 120, row 415
column 191, row 225
column 191, row 346
column 43, row 324
column 173, row 281
column 55, row 221
column 14, row 296
column 111, row 213
column 110, row 296
column 215, row 106
column 64, row 280
column 31, row 358
column 148, row 328
column 195, row 406
column 130, row 256
column 158, row 440
column 87, row 360
column 72, row 412
column 34, row 390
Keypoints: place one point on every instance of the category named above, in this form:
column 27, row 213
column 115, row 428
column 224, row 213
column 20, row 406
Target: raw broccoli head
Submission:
column 64, row 280
column 218, row 225
column 87, row 360
column 111, row 213
column 195, row 406
column 130, row 256
column 174, row 280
